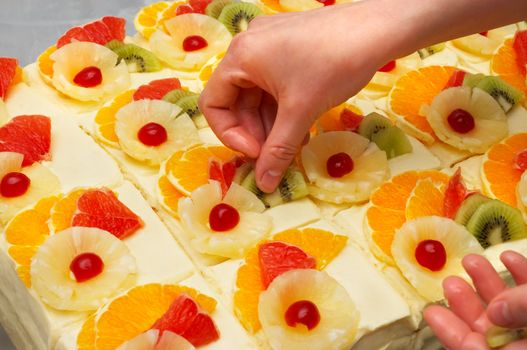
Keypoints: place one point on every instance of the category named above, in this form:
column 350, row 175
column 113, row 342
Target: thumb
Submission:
column 282, row 145
column 509, row 309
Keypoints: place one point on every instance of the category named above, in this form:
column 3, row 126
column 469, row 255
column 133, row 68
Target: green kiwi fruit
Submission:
column 495, row 222
column 176, row 95
column 393, row 141
column 189, row 104
column 373, row 123
column 237, row 16
column 242, row 172
column 138, row 59
column 505, row 94
column 430, row 50
column 214, row 8
column 472, row 80
column 112, row 45
column 249, row 183
column 497, row 337
column 469, row 206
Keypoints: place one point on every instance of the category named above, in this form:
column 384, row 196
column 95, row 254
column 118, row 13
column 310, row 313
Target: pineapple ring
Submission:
column 181, row 131
column 54, row 283
column 150, row 340
column 252, row 227
column 76, row 56
column 490, row 119
column 169, row 48
column 370, row 167
column 339, row 318
column 456, row 240
column 10, row 162
column 522, row 194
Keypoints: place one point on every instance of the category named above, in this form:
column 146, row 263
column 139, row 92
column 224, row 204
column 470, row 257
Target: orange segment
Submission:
column 168, row 13
column 168, row 195
column 22, row 254
column 147, row 19
column 416, row 88
column 504, row 64
column 330, row 121
column 136, row 311
column 390, row 201
column 188, row 170
column 323, row 245
column 500, row 175
column 273, row 5
column 105, row 118
column 24, row 273
column 86, row 337
column 45, row 63
column 63, row 211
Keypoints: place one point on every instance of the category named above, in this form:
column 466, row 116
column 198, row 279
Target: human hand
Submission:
column 465, row 325
column 284, row 72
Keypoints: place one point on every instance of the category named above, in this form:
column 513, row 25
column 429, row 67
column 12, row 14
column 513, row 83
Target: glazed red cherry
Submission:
column 152, row 134
column 194, row 43
column 223, row 218
column 86, row 266
column 388, row 67
column 88, row 77
column 431, row 254
column 520, row 161
column 304, row 312
column 14, row 185
column 183, row 9
column 461, row 121
column 484, row 33
column 327, row 2
column 339, row 164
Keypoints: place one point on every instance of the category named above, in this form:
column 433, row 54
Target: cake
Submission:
column 126, row 224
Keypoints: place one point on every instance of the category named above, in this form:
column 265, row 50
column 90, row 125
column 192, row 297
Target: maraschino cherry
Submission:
column 152, row 134
column 388, row 67
column 339, row 165
column 86, row 266
column 303, row 312
column 431, row 254
column 14, row 185
column 223, row 217
column 88, row 77
column 461, row 121
column 194, row 43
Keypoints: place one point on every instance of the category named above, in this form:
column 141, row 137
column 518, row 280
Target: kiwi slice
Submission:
column 249, row 183
column 373, row 123
column 469, row 206
column 430, row 50
column 138, row 59
column 495, row 222
column 497, row 337
column 214, row 8
column 506, row 95
column 176, row 95
column 112, row 45
column 237, row 16
column 472, row 80
column 393, row 141
column 189, row 104
column 242, row 172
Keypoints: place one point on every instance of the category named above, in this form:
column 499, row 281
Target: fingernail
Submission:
column 271, row 179
column 502, row 311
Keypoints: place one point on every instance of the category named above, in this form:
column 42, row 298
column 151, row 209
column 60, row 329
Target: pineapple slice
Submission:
column 152, row 130
column 73, row 58
column 210, row 35
column 305, row 5
column 477, row 44
column 224, row 226
column 369, row 167
column 64, row 269
column 522, row 195
column 150, row 340
column 4, row 116
column 307, row 309
column 429, row 249
column 41, row 182
column 467, row 119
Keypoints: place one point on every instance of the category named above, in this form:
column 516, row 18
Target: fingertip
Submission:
column 473, row 261
column 510, row 257
column 454, row 285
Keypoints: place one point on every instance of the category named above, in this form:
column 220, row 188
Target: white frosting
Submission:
column 293, row 214
column 517, row 120
column 419, row 159
column 493, row 253
column 471, row 171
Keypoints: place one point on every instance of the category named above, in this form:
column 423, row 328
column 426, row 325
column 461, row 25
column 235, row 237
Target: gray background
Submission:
column 27, row 27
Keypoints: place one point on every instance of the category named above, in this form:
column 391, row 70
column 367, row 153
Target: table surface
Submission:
column 27, row 27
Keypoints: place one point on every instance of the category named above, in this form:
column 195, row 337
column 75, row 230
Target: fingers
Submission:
column 517, row 265
column 449, row 328
column 247, row 109
column 486, row 280
column 268, row 110
column 517, row 345
column 474, row 341
column 465, row 303
column 509, row 309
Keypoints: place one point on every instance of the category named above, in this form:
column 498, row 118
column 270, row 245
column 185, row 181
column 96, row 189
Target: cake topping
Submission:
column 339, row 165
column 520, row 160
column 327, row 2
column 456, row 79
column 156, row 89
column 431, row 254
column 223, row 217
column 88, row 77
column 461, row 121
column 194, row 43
column 304, row 312
column 86, row 266
column 14, row 184
column 99, row 32
column 8, row 73
column 350, row 120
column 183, row 9
column 152, row 134
column 455, row 194
column 520, row 48
column 388, row 67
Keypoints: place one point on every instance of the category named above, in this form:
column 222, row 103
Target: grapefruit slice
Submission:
column 102, row 209
column 520, row 47
column 455, row 194
column 29, row 135
column 156, row 89
column 505, row 64
column 8, row 72
column 99, row 32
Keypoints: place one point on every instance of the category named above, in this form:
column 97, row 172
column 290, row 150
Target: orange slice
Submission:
column 504, row 64
column 272, row 6
column 324, row 246
column 134, row 313
column 410, row 92
column 45, row 63
column 26, row 232
column 64, row 210
column 188, row 170
column 168, row 195
column 330, row 121
column 398, row 200
column 147, row 19
column 105, row 118
column 500, row 176
column 168, row 13
column 86, row 337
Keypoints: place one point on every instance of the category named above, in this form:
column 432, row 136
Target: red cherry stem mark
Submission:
column 431, row 254
column 461, row 121
column 88, row 77
column 14, row 185
column 152, row 134
column 223, row 217
column 350, row 120
column 388, row 67
column 86, row 266
column 339, row 165
column 304, row 312
column 194, row 43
